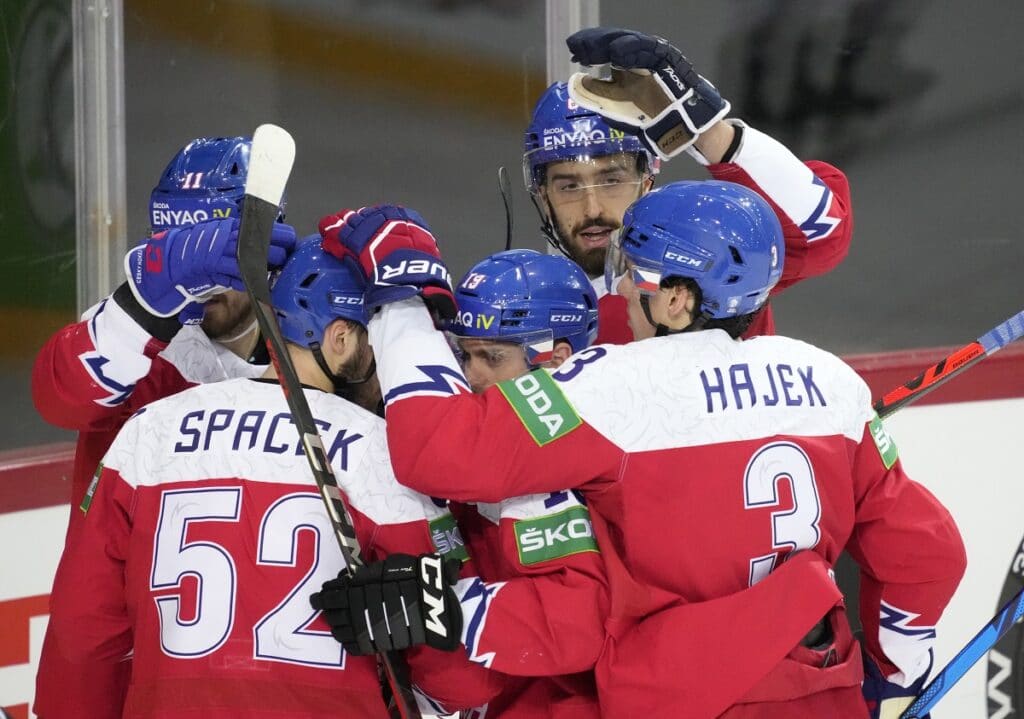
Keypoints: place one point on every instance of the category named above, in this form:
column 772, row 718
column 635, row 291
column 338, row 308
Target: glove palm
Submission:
column 654, row 92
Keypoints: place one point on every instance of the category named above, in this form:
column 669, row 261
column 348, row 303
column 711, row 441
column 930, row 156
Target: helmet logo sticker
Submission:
column 473, row 280
column 681, row 258
column 193, row 180
column 476, row 320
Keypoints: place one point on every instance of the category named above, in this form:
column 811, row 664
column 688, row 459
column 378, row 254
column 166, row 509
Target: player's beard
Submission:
column 228, row 315
column 591, row 259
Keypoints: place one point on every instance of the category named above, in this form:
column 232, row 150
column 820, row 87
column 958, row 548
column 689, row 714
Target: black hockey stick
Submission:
column 505, row 187
column 270, row 163
column 948, row 368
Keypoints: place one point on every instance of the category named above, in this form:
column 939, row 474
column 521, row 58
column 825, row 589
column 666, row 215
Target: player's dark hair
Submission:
column 733, row 326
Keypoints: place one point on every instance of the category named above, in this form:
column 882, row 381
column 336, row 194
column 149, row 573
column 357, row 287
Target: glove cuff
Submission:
column 161, row 328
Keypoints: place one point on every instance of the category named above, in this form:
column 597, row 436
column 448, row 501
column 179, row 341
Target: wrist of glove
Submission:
column 401, row 602
column 177, row 268
column 885, row 699
column 397, row 253
column 654, row 91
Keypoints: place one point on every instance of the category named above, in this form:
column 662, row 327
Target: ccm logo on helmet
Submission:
column 678, row 257
column 564, row 318
column 347, row 300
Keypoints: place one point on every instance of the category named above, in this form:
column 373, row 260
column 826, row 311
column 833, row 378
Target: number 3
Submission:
column 792, row 529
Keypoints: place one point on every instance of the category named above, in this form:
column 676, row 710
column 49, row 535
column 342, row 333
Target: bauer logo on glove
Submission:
column 653, row 93
column 397, row 253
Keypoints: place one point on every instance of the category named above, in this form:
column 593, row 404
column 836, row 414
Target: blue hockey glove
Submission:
column 654, row 92
column 885, row 699
column 397, row 253
column 180, row 266
column 401, row 602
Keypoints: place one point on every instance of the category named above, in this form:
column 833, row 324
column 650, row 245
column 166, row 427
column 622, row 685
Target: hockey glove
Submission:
column 654, row 92
column 401, row 602
column 885, row 699
column 177, row 267
column 397, row 252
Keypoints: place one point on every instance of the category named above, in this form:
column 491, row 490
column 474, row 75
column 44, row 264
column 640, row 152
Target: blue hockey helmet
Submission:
column 722, row 235
column 529, row 298
column 204, row 181
column 561, row 130
column 313, row 289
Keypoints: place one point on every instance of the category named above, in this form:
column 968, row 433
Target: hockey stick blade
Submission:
column 966, row 658
column 270, row 164
column 944, row 370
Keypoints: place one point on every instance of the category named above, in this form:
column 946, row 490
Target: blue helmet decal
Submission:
column 561, row 130
column 205, row 180
column 313, row 289
column 722, row 235
column 527, row 297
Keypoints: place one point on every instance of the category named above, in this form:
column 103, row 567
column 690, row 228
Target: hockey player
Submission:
column 518, row 310
column 583, row 173
column 711, row 467
column 205, row 533
column 140, row 344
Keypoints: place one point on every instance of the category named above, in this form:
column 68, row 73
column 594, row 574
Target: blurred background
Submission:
column 419, row 102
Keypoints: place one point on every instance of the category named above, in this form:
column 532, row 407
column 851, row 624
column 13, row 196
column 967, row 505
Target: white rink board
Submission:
column 966, row 454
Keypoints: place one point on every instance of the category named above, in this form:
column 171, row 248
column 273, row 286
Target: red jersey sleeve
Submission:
column 86, row 374
column 812, row 201
column 519, row 437
column 538, row 607
column 911, row 557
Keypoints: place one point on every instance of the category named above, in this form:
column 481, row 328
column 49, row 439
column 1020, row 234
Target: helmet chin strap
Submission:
column 548, row 226
column 661, row 330
column 337, row 381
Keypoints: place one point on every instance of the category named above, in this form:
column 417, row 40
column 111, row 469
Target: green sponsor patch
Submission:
column 556, row 535
column 87, row 499
column 886, row 446
column 447, row 538
column 541, row 406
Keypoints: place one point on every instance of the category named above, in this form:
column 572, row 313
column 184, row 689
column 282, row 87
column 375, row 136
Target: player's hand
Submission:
column 397, row 252
column 401, row 602
column 654, row 91
column 184, row 265
column 885, row 699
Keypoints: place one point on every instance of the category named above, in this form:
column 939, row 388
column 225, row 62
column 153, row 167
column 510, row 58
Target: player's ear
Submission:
column 562, row 352
column 337, row 335
column 682, row 303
